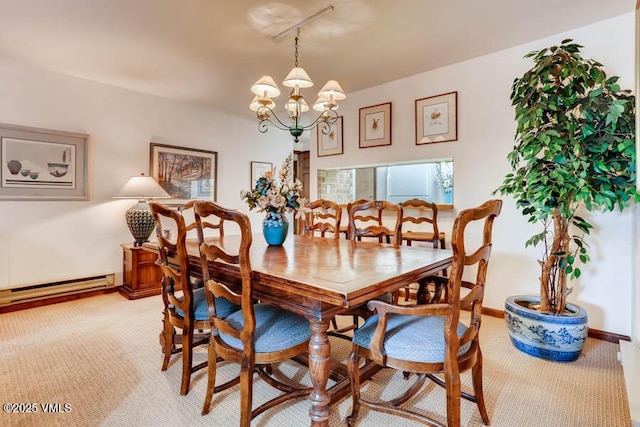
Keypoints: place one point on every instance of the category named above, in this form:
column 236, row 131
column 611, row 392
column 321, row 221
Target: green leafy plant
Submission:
column 575, row 147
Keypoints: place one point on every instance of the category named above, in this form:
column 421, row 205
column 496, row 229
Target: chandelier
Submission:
column 265, row 89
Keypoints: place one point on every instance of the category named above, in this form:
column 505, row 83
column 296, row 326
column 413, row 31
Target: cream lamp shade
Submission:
column 139, row 218
column 332, row 91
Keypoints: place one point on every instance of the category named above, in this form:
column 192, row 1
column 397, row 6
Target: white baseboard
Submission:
column 630, row 358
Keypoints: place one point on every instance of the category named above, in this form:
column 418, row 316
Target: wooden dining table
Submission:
column 320, row 278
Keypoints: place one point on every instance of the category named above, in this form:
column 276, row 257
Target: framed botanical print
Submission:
column 437, row 118
column 375, row 125
column 184, row 173
column 330, row 139
column 258, row 169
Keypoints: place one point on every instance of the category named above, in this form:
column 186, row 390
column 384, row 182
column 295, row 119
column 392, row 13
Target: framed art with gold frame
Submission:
column 184, row 173
column 375, row 125
column 330, row 144
column 437, row 118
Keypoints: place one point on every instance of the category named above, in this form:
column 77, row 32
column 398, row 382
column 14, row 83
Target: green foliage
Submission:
column 574, row 146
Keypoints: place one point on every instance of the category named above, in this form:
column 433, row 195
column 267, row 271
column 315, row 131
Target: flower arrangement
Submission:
column 444, row 175
column 276, row 196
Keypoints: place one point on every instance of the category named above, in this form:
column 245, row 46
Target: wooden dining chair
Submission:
column 431, row 339
column 344, row 229
column 418, row 213
column 420, row 224
column 377, row 219
column 322, row 216
column 188, row 212
column 185, row 308
column 369, row 220
column 254, row 337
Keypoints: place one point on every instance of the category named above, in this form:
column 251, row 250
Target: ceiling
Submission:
column 211, row 51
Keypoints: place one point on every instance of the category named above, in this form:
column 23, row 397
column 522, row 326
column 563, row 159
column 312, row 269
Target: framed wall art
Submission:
column 330, row 144
column 437, row 118
column 258, row 169
column 184, row 173
column 42, row 164
column 375, row 125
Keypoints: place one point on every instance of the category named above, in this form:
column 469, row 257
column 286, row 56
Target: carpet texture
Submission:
column 101, row 356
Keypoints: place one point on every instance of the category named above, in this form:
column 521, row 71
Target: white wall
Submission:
column 486, row 129
column 42, row 241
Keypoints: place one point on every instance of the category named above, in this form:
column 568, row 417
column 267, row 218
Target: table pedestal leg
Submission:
column 319, row 366
column 422, row 296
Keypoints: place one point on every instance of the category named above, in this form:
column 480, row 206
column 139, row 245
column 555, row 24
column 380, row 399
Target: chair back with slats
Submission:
column 464, row 259
column 188, row 213
column 322, row 216
column 418, row 214
column 213, row 258
column 369, row 220
column 345, row 224
column 173, row 260
column 184, row 306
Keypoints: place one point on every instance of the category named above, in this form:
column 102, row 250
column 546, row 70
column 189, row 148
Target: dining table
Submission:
column 320, row 278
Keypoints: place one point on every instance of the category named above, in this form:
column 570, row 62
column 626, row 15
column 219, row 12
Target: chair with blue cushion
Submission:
column 185, row 307
column 371, row 219
column 254, row 337
column 435, row 338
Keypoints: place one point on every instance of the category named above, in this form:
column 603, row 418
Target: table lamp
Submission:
column 139, row 218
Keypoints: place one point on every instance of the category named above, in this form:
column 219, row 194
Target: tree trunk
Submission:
column 553, row 279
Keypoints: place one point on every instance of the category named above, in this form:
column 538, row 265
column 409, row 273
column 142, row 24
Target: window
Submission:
column 431, row 181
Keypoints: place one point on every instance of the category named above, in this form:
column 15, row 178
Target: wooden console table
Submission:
column 141, row 275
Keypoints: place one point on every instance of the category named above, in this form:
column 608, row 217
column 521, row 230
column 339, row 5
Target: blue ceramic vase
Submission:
column 275, row 227
column 556, row 337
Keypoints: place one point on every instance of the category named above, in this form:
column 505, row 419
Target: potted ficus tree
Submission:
column 574, row 151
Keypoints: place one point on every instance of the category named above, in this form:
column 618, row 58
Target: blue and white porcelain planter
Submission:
column 275, row 227
column 556, row 337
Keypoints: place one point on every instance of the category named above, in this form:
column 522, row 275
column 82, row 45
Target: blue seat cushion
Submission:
column 224, row 307
column 276, row 329
column 411, row 338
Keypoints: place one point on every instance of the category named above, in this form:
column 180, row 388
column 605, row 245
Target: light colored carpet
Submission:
column 101, row 356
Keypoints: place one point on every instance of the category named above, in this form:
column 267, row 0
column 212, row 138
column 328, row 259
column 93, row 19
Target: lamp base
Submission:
column 140, row 222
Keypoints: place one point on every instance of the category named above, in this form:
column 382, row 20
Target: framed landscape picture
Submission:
column 42, row 164
column 375, row 125
column 330, row 143
column 437, row 118
column 184, row 173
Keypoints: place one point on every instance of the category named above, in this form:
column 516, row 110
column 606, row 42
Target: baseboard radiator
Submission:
column 43, row 291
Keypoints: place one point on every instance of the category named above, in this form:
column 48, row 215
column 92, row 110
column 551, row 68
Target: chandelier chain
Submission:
column 296, row 47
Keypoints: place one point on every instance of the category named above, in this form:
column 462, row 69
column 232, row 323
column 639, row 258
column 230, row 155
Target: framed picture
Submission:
column 184, row 173
column 258, row 169
column 375, row 125
column 330, row 144
column 42, row 164
column 437, row 118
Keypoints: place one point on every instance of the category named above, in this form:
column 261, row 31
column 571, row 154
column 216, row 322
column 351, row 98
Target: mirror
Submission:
column 428, row 180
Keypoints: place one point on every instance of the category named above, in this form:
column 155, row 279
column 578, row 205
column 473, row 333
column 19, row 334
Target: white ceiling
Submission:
column 211, row 51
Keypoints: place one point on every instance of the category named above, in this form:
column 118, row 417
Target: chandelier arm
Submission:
column 332, row 117
column 265, row 114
